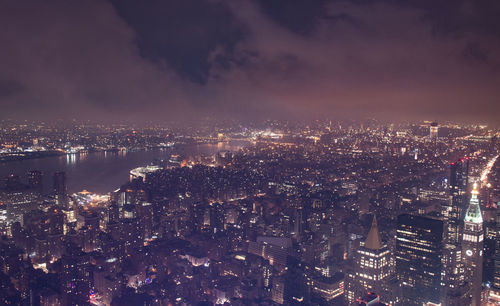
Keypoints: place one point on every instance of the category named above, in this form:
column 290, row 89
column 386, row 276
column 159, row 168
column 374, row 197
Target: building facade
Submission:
column 473, row 239
column 418, row 259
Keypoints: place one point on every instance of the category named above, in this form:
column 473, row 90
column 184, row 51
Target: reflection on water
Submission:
column 71, row 159
column 102, row 172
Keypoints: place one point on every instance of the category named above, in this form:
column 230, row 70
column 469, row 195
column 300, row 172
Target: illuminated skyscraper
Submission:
column 472, row 245
column 454, row 211
column 372, row 270
column 454, row 286
column 418, row 259
column 433, row 131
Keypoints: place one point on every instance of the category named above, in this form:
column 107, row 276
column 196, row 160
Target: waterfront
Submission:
column 102, row 172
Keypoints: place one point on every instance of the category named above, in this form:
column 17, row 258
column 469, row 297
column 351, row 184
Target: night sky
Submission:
column 163, row 60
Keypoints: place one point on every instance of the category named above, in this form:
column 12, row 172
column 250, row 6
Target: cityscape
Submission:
column 250, row 152
column 325, row 213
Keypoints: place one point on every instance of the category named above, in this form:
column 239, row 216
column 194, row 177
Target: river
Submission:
column 102, row 172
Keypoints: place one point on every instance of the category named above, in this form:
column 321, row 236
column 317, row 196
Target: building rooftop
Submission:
column 373, row 240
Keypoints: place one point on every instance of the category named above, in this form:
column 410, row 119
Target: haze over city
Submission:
column 250, row 152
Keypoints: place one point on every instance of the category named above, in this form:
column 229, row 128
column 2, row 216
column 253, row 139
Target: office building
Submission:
column 372, row 270
column 454, row 287
column 418, row 259
column 60, row 192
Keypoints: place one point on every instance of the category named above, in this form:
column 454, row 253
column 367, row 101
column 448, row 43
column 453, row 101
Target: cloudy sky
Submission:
column 163, row 60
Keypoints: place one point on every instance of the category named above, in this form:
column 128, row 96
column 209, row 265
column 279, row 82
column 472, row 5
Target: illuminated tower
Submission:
column 454, row 211
column 433, row 131
column 372, row 270
column 472, row 246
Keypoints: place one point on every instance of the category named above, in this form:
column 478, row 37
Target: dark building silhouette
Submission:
column 496, row 275
column 418, row 259
column 35, row 180
column 455, row 288
column 76, row 276
column 60, row 192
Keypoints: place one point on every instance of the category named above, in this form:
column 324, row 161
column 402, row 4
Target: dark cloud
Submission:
column 475, row 51
column 251, row 59
column 183, row 34
column 456, row 18
column 77, row 59
column 9, row 88
column 299, row 16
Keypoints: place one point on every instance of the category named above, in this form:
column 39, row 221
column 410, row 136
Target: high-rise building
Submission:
column 418, row 259
column 372, row 270
column 35, row 180
column 296, row 291
column 454, row 212
column 60, row 191
column 59, row 182
column 473, row 239
column 145, row 213
column 76, row 276
column 495, row 288
column 454, row 286
column 56, row 219
column 433, row 131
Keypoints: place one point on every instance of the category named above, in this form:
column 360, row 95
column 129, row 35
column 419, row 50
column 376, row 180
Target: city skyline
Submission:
column 250, row 152
column 275, row 213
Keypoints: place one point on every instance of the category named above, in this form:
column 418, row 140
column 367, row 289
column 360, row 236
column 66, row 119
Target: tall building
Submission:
column 454, row 212
column 35, row 180
column 433, row 131
column 473, row 239
column 495, row 289
column 418, row 259
column 60, row 191
column 59, row 182
column 497, row 249
column 454, row 286
column 76, row 276
column 296, row 290
column 372, row 270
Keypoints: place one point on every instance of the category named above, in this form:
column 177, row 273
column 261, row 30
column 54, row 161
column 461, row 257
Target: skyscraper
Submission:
column 454, row 286
column 60, row 191
column 418, row 259
column 433, row 131
column 372, row 270
column 454, row 211
column 495, row 290
column 473, row 239
column 59, row 182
